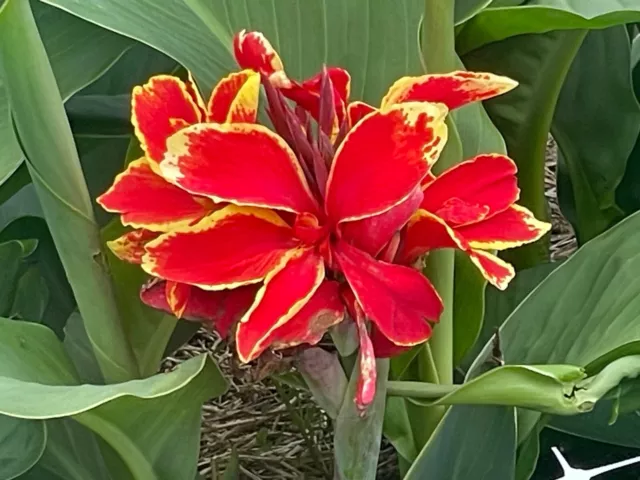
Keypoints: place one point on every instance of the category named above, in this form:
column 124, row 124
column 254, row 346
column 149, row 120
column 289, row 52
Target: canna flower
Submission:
column 298, row 226
column 144, row 199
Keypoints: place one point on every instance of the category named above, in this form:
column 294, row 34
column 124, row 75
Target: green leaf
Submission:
column 528, row 452
column 61, row 302
column 540, row 16
column 54, row 166
column 78, row 347
column 469, row 305
column 307, row 34
column 152, row 424
column 21, row 445
column 232, row 472
column 545, row 388
column 357, row 438
column 584, row 310
column 12, row 254
column 147, row 329
column 73, row 452
column 465, row 9
column 523, row 116
column 397, row 428
column 595, row 139
column 79, row 53
column 500, row 304
column 324, row 377
column 32, row 296
column 471, row 443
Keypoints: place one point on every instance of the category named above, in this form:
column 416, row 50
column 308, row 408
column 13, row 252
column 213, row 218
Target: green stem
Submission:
column 52, row 159
column 431, row 391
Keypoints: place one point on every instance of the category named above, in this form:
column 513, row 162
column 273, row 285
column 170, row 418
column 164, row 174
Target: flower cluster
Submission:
column 275, row 235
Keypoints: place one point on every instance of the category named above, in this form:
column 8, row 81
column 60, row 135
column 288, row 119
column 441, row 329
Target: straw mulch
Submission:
column 278, row 432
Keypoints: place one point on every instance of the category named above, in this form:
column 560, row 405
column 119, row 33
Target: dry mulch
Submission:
column 277, row 431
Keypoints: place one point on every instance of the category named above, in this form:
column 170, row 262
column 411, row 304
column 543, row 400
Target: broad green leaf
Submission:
column 357, row 437
column 73, row 452
column 471, row 443
column 596, row 426
column 465, row 9
column 595, row 139
column 500, row 304
column 32, row 296
column 147, row 329
column 523, row 116
column 540, row 16
column 469, row 305
column 585, row 309
column 307, row 34
column 12, row 254
column 528, row 452
column 54, row 166
column 397, row 428
column 78, row 347
column 79, row 53
column 61, row 302
column 152, row 424
column 21, row 445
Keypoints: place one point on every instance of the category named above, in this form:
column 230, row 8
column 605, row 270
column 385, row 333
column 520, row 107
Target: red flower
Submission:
column 293, row 227
column 141, row 195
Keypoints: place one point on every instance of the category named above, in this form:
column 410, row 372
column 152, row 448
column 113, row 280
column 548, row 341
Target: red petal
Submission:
column 383, row 347
column 245, row 164
column 398, row 299
column 367, row 373
column 235, row 99
column 161, row 107
column 307, row 94
column 287, row 288
column 454, row 89
column 373, row 233
column 192, row 88
column 427, row 232
column 177, row 297
column 232, row 247
column 309, row 325
column 510, row 228
column 356, row 111
column 473, row 190
column 130, row 246
column 145, row 199
column 252, row 50
column 221, row 309
column 383, row 159
column 497, row 272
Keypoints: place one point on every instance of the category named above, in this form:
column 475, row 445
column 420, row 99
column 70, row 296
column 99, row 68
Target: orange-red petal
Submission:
column 130, row 246
column 383, row 159
column 232, row 247
column 161, row 107
column 252, row 50
column 371, row 234
column 235, row 98
column 357, row 110
column 145, row 199
column 383, row 347
column 221, row 309
column 323, row 310
column 454, row 89
column 177, row 297
column 367, row 372
column 398, row 299
column 497, row 272
column 426, row 232
column 193, row 90
column 245, row 164
column 287, row 288
column 473, row 190
column 510, row 228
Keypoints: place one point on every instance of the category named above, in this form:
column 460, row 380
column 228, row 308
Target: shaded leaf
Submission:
column 21, row 445
column 595, row 138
